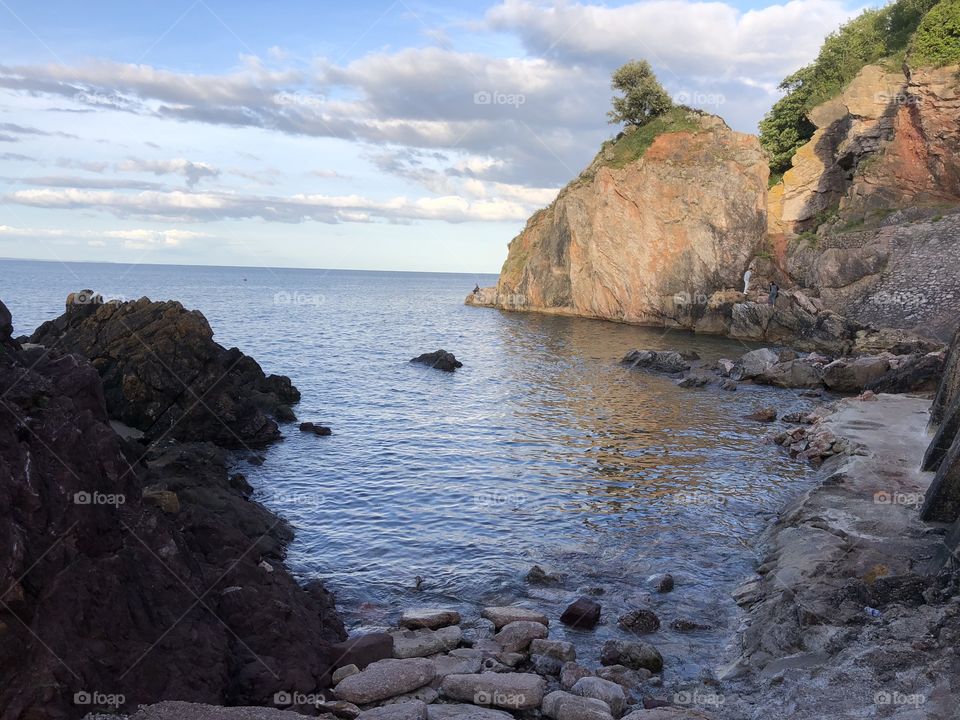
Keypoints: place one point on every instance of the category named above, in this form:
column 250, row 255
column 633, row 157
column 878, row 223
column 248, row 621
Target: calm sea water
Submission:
column 542, row 449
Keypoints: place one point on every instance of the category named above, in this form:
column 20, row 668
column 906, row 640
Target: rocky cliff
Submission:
column 638, row 238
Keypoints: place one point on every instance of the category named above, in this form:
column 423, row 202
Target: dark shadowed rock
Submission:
column 665, row 361
column 639, row 621
column 439, row 359
column 163, row 373
column 915, row 373
column 309, row 427
column 943, row 438
column 942, row 501
column 538, row 576
column 582, row 613
column 632, row 654
column 362, row 650
column 134, row 593
column 949, row 388
column 852, row 376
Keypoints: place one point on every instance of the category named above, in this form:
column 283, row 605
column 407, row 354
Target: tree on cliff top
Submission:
column 643, row 98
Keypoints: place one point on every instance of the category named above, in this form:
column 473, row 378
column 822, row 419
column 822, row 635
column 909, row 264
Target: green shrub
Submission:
column 643, row 97
column 937, row 41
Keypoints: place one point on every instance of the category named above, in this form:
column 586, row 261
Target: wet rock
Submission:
column 411, row 710
column 545, row 665
column 570, row 673
column 624, row 676
column 510, row 691
column 501, row 616
column 661, row 582
column 429, row 618
column 340, row 709
column 665, row 361
column 767, row 414
column 517, row 636
column 582, row 613
column 852, row 376
column 634, row 654
column 753, row 363
column 599, row 689
column 385, row 679
column 639, row 621
column 439, row 359
column 344, row 672
column 559, row 649
column 728, row 385
column 363, row 650
column 424, row 642
column 725, row 367
column 455, row 711
column 943, row 438
column 284, row 413
column 560, row 705
column 124, row 342
column 694, row 381
column 309, row 427
column 688, row 625
column 538, row 576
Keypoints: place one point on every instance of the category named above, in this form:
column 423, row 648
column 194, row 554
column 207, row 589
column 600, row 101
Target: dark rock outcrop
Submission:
column 163, row 373
column 132, row 571
column 439, row 359
column 942, row 501
column 949, row 389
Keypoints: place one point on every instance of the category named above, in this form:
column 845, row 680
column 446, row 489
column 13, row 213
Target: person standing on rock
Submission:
column 476, row 290
column 774, row 292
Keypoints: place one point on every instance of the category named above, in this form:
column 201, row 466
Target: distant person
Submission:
column 774, row 292
column 746, row 282
column 476, row 290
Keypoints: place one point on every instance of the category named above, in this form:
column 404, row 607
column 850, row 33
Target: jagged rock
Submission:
column 560, row 705
column 754, row 363
column 582, row 613
column 424, row 642
column 728, row 385
column 510, row 691
column 310, row 427
column 665, row 361
column 439, row 359
column 852, row 376
column 947, row 431
column 516, row 637
column 163, row 373
column 802, row 373
column 538, row 576
column 410, row 710
column 604, row 690
column 545, row 665
column 694, row 381
column 501, row 616
column 667, row 713
column 633, row 654
column 639, row 621
column 915, row 373
column 166, row 500
column 559, row 649
column 385, row 679
column 661, row 582
column 942, row 500
column 949, row 388
column 430, row 618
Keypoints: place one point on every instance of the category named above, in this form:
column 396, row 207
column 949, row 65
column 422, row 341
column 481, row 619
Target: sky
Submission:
column 374, row 134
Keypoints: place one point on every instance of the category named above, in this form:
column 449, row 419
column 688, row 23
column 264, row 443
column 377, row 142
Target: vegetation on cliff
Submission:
column 921, row 32
column 643, row 97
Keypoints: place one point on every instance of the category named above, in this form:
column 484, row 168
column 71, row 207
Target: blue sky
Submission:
column 374, row 135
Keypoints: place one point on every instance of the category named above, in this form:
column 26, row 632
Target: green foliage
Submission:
column 643, row 98
column 937, row 41
column 874, row 36
column 633, row 144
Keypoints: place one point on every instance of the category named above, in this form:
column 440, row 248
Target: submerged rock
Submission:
column 767, row 414
column 639, row 621
column 633, row 654
column 439, row 359
column 665, row 361
column 310, row 427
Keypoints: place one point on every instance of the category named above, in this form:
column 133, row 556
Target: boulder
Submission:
column 640, row 621
column 560, row 705
column 582, row 613
column 801, row 373
column 559, row 649
column 599, row 689
column 754, row 363
column 913, row 374
column 852, row 376
column 454, row 711
column 344, row 672
column 163, row 373
column 339, row 709
column 947, row 431
column 411, row 710
column 570, row 673
column 439, row 359
column 363, row 650
column 425, row 642
column 430, row 618
column 949, row 388
column 661, row 582
column 942, row 500
column 516, row 637
column 546, row 665
column 501, row 616
column 767, row 414
column 538, row 576
column 457, row 665
column 665, row 361
column 309, row 427
column 634, row 654
column 385, row 679
column 624, row 676
column 510, row 691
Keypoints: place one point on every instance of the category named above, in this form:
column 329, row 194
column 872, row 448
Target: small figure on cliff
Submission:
column 746, row 281
column 774, row 292
column 476, row 290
